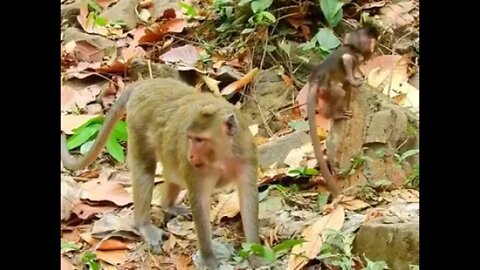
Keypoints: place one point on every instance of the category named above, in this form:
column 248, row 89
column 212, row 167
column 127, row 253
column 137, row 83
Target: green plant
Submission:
column 401, row 158
column 302, row 172
column 191, row 11
column 67, row 246
column 269, row 254
column 260, row 14
column 332, row 10
column 90, row 259
column 356, row 162
column 414, row 177
column 85, row 135
column 337, row 251
column 323, row 42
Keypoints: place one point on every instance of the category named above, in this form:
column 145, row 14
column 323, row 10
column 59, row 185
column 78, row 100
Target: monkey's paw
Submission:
column 153, row 236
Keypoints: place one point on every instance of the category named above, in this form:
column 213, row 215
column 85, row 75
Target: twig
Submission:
column 150, row 68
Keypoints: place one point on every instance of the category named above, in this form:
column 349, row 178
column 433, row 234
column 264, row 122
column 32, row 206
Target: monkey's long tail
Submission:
column 114, row 114
column 311, row 106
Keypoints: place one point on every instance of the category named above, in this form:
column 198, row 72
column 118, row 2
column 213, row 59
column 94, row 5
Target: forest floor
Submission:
column 230, row 48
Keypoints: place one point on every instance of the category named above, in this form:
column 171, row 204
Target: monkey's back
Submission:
column 159, row 112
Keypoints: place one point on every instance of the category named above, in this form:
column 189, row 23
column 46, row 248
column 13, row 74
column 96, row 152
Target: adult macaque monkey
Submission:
column 203, row 143
column 327, row 82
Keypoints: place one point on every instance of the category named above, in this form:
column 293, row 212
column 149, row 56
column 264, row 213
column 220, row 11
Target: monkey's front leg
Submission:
column 200, row 198
column 248, row 197
column 143, row 173
column 349, row 64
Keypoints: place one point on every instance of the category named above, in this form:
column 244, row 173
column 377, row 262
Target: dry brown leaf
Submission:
column 170, row 243
column 313, row 236
column 409, row 195
column 373, row 214
column 69, row 196
column 373, row 5
column 228, row 206
column 66, row 264
column 85, row 211
column 183, row 262
column 71, row 97
column 116, row 67
column 397, row 14
column 211, row 83
column 85, row 51
column 157, row 30
column 107, row 245
column 105, row 3
column 70, row 122
column 186, row 54
column 114, row 257
column 238, row 85
column 112, row 224
column 102, row 190
column 352, row 204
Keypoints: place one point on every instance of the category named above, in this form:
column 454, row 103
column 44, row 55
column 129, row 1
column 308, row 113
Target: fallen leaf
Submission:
column 88, row 22
column 102, row 190
column 105, row 3
column 373, row 214
column 116, row 67
column 70, row 122
column 106, row 245
column 397, row 14
column 72, row 97
column 253, row 129
column 295, row 157
column 112, row 224
column 156, row 31
column 186, row 54
column 85, row 51
column 170, row 243
column 66, row 264
column 183, row 262
column 314, row 235
column 211, row 83
column 352, row 204
column 239, row 84
column 85, row 211
column 180, row 227
column 373, row 5
column 389, row 73
column 115, row 257
column 144, row 15
column 228, row 206
column 70, row 195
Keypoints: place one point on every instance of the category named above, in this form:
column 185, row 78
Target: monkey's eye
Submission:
column 198, row 140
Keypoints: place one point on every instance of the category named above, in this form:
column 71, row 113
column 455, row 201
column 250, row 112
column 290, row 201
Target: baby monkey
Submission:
column 203, row 143
column 328, row 80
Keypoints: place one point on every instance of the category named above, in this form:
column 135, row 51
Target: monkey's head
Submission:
column 210, row 136
column 363, row 39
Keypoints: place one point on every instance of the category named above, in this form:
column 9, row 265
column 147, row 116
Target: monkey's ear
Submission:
column 231, row 124
column 208, row 110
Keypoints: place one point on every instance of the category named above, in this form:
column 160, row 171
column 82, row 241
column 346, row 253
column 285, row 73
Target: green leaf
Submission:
column 332, row 9
column 82, row 136
column 371, row 265
column 115, row 149
column 285, row 46
column 270, row 48
column 269, row 254
column 89, row 259
column 101, row 21
column 288, row 244
column 94, row 6
column 189, row 9
column 260, row 5
column 120, row 131
column 322, row 199
column 298, row 125
column 327, row 39
column 67, row 246
column 96, row 120
column 247, row 31
column 310, row 172
column 244, row 2
column 268, row 15
column 408, row 154
column 86, row 147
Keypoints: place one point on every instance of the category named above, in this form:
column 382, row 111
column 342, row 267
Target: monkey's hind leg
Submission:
column 143, row 164
column 170, row 195
column 335, row 100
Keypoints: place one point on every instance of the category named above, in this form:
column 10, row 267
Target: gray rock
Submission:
column 278, row 149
